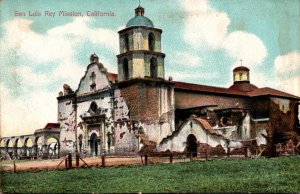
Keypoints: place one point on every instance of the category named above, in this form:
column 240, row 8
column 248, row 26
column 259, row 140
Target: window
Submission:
column 125, row 69
column 93, row 80
column 151, row 41
column 126, row 43
column 153, row 67
column 93, row 107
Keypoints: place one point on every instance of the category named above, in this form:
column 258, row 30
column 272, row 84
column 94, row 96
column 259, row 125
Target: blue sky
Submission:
column 203, row 41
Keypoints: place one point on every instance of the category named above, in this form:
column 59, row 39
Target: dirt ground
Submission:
column 52, row 164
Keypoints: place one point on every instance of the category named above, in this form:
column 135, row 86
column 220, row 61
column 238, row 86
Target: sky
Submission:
column 203, row 41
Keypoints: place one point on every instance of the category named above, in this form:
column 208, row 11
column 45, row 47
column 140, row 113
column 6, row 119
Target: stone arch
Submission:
column 125, row 69
column 151, row 41
column 153, row 67
column 53, row 147
column 191, row 145
column 28, row 146
column 9, row 143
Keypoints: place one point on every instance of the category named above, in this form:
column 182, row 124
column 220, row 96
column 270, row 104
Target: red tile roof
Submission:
column 205, row 124
column 234, row 90
column 52, row 126
column 243, row 86
column 204, row 88
column 270, row 92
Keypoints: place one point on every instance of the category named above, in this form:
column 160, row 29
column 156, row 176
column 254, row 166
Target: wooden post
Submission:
column 146, row 160
column 15, row 167
column 70, row 160
column 191, row 156
column 171, row 158
column 77, row 159
column 103, row 160
column 66, row 162
column 246, row 154
column 206, row 154
column 228, row 152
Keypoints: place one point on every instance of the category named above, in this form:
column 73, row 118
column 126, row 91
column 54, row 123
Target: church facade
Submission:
column 138, row 107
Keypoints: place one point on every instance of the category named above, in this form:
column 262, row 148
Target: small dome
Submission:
column 139, row 21
column 241, row 68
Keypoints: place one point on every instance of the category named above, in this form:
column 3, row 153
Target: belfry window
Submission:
column 151, row 41
column 126, row 43
column 153, row 67
column 125, row 69
column 93, row 81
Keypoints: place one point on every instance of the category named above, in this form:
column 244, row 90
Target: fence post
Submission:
column 70, row 160
column 77, row 159
column 228, row 152
column 191, row 156
column 146, row 160
column 206, row 154
column 15, row 167
column 103, row 160
column 66, row 162
column 171, row 158
column 246, row 154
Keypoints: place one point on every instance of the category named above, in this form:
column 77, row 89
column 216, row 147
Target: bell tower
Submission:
column 140, row 49
column 142, row 85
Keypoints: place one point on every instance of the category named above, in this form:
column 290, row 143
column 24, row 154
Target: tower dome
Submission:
column 139, row 19
column 242, row 80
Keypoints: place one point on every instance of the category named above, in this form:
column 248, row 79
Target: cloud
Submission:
column 206, row 27
column 24, row 114
column 287, row 68
column 185, row 59
column 245, row 46
column 57, row 47
column 288, row 65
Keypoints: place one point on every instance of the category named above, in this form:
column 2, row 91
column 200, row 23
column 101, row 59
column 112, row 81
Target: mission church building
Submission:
column 138, row 107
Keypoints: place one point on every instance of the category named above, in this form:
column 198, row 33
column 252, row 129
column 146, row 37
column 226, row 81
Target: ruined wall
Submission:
column 150, row 107
column 283, row 116
column 66, row 119
column 178, row 141
column 126, row 138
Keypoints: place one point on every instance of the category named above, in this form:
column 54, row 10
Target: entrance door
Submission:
column 191, row 145
column 94, row 145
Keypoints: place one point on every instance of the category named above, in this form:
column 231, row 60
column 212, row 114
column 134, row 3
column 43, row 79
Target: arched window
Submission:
column 151, row 41
column 93, row 107
column 153, row 67
column 125, row 69
column 126, row 43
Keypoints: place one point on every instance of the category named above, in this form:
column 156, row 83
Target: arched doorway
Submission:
column 94, row 144
column 191, row 145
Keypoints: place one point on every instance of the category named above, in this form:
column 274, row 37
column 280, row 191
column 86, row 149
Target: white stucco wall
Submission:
column 178, row 141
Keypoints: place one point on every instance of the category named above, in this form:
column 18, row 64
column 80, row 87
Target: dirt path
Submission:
column 51, row 164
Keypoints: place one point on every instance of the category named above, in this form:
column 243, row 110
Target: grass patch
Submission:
column 263, row 175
